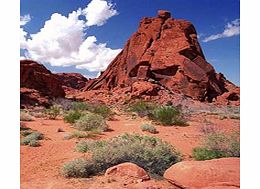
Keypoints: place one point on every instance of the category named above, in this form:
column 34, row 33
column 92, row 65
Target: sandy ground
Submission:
column 40, row 166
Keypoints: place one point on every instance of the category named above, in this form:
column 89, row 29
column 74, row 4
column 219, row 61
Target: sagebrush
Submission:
column 151, row 153
column 72, row 116
column 149, row 128
column 32, row 139
column 91, row 122
column 217, row 145
column 168, row 115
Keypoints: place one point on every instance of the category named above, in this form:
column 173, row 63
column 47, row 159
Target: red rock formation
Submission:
column 216, row 173
column 166, row 53
column 38, row 85
column 72, row 80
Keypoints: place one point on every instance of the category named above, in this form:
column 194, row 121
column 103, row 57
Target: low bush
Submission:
column 142, row 108
column 34, row 143
column 168, row 115
column 25, row 116
column 86, row 145
column 80, row 134
column 31, row 138
column 91, row 122
column 149, row 128
column 102, row 110
column 206, row 154
column 72, row 116
column 53, row 111
column 80, row 106
column 217, row 145
column 153, row 154
column 77, row 168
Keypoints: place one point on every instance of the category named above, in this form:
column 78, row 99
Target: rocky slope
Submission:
column 37, row 84
column 72, row 82
column 165, row 55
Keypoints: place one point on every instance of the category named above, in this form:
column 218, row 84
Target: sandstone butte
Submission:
column 162, row 62
column 164, row 57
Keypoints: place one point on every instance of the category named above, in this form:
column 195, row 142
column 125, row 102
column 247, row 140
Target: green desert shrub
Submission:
column 31, row 138
column 86, row 145
column 149, row 128
column 142, row 108
column 78, row 168
column 34, row 143
column 72, row 116
column 168, row 115
column 102, row 110
column 217, row 145
column 53, row 111
column 80, row 134
column 151, row 153
column 25, row 116
column 80, row 106
column 90, row 122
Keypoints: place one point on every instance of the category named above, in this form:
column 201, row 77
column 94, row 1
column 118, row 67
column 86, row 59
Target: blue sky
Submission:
column 210, row 17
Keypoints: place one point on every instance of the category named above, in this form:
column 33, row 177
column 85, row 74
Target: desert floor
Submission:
column 40, row 166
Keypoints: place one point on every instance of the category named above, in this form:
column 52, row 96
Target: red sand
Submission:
column 40, row 166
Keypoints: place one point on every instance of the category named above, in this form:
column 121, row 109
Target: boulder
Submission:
column 129, row 170
column 216, row 173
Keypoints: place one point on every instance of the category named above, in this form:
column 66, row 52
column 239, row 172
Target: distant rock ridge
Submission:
column 164, row 54
column 38, row 86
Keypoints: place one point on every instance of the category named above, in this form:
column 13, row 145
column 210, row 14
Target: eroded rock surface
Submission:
column 37, row 84
column 216, row 173
column 165, row 51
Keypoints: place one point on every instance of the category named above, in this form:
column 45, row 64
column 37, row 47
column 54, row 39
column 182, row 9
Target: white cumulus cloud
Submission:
column 231, row 29
column 25, row 19
column 23, row 34
column 98, row 12
column 62, row 41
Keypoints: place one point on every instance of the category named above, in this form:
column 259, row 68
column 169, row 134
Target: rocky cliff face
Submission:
column 38, row 85
column 164, row 54
column 72, row 80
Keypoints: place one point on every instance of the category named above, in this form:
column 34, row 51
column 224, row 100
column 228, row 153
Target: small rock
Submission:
column 60, row 130
column 128, row 169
